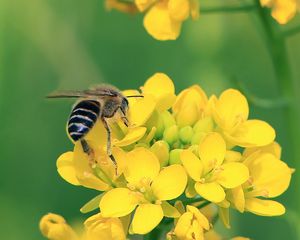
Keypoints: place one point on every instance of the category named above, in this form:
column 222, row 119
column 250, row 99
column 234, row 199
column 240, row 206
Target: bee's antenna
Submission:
column 132, row 96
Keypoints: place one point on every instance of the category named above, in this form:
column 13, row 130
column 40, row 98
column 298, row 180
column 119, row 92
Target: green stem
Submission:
column 276, row 43
column 228, row 9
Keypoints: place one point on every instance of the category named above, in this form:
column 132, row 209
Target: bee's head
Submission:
column 124, row 105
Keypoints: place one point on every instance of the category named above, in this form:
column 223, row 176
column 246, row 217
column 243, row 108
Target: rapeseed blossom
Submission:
column 199, row 149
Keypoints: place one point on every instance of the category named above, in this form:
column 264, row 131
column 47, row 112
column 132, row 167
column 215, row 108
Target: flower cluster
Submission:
column 163, row 18
column 183, row 157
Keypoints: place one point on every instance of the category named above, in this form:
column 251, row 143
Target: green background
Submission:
column 65, row 44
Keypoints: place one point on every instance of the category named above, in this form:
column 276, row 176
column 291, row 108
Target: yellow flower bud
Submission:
column 168, row 119
column 204, row 125
column 156, row 121
column 161, row 150
column 186, row 134
column 175, row 156
column 197, row 137
column 190, row 106
column 54, row 227
column 171, row 134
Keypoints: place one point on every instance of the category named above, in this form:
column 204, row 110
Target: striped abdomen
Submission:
column 83, row 117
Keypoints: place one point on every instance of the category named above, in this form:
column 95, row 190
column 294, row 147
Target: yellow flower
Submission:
column 282, row 10
column 54, row 227
column 190, row 106
column 269, row 178
column 148, row 189
column 190, row 225
column 164, row 18
column 211, row 174
column 230, row 112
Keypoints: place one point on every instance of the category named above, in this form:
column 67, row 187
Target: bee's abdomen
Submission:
column 83, row 118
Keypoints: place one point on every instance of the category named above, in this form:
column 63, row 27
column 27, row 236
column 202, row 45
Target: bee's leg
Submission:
column 89, row 151
column 124, row 118
column 108, row 149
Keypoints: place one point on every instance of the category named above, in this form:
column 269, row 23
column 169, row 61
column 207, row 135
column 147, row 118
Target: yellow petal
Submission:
column 273, row 148
column 142, row 5
column 140, row 110
column 264, row 207
column 211, row 191
column 231, row 109
column 233, row 156
column 204, row 223
column 253, row 133
column 169, row 210
column 183, row 225
column 159, row 24
column 237, row 197
column 269, row 174
column 118, row 202
column 284, row 10
column 212, row 151
column 170, row 183
column 158, row 85
column 146, row 218
column 179, row 9
column 192, row 164
column 133, row 135
column 65, row 168
column 97, row 135
column 161, row 87
column 142, row 164
column 233, row 174
column 84, row 172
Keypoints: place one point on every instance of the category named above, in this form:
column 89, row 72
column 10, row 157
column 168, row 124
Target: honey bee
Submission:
column 99, row 103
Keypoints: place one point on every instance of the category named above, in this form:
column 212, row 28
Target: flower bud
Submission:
column 55, row 227
column 197, row 137
column 161, row 150
column 168, row 119
column 186, row 134
column 156, row 121
column 190, row 106
column 175, row 156
column 205, row 124
column 171, row 134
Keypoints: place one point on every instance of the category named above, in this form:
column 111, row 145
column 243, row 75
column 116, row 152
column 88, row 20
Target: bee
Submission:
column 99, row 103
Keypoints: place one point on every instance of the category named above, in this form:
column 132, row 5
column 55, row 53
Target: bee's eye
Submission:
column 124, row 105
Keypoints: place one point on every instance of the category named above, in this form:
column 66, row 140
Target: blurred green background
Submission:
column 65, row 44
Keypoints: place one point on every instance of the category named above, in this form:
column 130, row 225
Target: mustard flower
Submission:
column 269, row 178
column 148, row 189
column 211, row 175
column 230, row 112
column 190, row 225
column 282, row 10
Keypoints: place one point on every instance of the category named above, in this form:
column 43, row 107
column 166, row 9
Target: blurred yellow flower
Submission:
column 54, row 227
column 210, row 173
column 282, row 10
column 148, row 189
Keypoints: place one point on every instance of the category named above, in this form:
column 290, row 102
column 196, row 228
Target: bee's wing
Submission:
column 101, row 92
column 68, row 94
